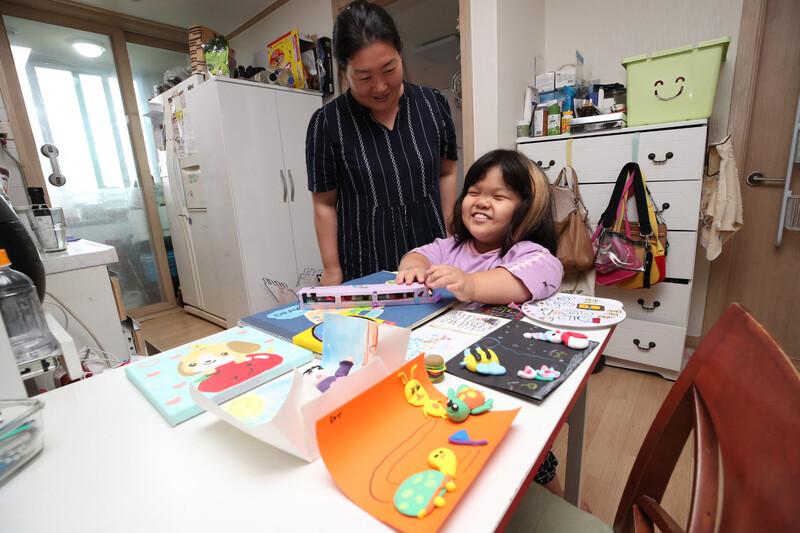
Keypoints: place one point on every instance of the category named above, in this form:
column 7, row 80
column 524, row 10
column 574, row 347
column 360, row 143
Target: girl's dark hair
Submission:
column 533, row 218
column 359, row 25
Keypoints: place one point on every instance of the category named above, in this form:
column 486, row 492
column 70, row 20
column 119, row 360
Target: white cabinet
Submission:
column 251, row 147
column 671, row 157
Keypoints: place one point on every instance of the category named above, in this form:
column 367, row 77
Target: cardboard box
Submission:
column 199, row 36
column 284, row 52
column 546, row 82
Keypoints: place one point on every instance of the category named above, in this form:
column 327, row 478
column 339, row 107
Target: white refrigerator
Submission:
column 185, row 201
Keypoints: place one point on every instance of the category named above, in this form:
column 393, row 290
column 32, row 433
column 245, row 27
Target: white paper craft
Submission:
column 293, row 428
column 575, row 311
column 466, row 322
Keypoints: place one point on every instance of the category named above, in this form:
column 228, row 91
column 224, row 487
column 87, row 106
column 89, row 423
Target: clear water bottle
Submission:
column 23, row 316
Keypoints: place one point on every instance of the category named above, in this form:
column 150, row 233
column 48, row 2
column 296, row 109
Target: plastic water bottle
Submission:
column 23, row 316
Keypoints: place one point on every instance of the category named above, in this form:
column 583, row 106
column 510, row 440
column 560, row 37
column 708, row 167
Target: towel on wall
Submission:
column 721, row 201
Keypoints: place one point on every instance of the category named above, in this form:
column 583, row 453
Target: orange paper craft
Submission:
column 375, row 441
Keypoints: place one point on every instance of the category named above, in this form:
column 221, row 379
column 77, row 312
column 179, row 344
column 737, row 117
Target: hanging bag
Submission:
column 575, row 249
column 635, row 258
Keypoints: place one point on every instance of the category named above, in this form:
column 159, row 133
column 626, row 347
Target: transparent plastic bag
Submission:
column 615, row 251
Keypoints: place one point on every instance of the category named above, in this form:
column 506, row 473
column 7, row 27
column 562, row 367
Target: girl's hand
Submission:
column 410, row 274
column 453, row 279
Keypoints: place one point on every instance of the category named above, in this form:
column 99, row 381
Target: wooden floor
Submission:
column 621, row 405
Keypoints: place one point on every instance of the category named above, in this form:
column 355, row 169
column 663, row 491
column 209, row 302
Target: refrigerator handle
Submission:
column 291, row 184
column 283, row 181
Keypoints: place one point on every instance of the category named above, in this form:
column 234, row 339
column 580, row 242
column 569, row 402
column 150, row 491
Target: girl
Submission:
column 504, row 242
column 381, row 158
column 503, row 249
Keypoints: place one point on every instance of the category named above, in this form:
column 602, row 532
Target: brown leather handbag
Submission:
column 575, row 249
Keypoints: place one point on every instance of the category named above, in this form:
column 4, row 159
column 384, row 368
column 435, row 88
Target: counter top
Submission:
column 79, row 254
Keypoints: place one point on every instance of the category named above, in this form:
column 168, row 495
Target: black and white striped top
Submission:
column 388, row 180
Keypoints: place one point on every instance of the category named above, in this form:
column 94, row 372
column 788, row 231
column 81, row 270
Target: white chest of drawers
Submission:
column 652, row 337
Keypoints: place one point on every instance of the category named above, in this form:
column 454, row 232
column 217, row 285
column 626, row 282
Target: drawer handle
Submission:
column 547, row 167
column 652, row 157
column 656, row 303
column 650, row 345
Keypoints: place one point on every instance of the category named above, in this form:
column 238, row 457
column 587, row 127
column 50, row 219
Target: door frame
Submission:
column 110, row 24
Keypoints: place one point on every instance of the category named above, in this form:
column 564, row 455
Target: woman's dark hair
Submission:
column 533, row 218
column 359, row 25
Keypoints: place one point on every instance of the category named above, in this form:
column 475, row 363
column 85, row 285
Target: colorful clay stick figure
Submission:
column 417, row 396
column 424, row 491
column 572, row 339
column 484, row 363
column 466, row 401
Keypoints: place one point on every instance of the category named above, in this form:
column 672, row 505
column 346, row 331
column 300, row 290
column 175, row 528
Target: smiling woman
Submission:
column 381, row 158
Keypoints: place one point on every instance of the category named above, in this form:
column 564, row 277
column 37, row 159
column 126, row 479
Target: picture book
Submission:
column 518, row 358
column 283, row 412
column 288, row 321
column 221, row 366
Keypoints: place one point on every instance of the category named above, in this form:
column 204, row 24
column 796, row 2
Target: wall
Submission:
column 307, row 16
column 605, row 35
column 521, row 37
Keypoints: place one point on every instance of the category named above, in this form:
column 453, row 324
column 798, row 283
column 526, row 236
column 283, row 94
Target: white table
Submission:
column 112, row 463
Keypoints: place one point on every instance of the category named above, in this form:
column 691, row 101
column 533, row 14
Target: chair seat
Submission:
column 542, row 511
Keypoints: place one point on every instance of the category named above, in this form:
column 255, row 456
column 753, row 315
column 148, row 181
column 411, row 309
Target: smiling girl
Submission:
column 503, row 249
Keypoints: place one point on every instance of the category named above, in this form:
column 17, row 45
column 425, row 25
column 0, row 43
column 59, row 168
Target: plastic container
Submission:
column 23, row 316
column 21, row 434
column 19, row 245
column 674, row 85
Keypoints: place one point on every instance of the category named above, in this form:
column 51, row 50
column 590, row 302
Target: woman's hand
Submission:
column 331, row 276
column 461, row 284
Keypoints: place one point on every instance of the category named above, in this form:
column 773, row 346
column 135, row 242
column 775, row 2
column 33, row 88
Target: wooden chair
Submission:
column 740, row 393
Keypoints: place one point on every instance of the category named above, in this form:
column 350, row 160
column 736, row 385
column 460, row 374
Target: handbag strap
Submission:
column 609, row 215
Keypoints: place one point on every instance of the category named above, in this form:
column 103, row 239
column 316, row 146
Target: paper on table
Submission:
column 375, row 441
column 293, row 427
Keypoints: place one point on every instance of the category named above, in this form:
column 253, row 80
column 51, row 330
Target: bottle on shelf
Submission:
column 23, row 316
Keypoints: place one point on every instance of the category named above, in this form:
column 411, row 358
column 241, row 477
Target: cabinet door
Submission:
column 294, row 112
column 259, row 189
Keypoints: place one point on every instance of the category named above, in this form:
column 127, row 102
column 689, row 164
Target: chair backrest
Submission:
column 740, row 393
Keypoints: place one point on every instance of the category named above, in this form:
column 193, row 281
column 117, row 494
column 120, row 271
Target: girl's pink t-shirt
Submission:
column 533, row 264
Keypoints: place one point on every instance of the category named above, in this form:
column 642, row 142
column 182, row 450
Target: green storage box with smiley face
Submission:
column 674, row 85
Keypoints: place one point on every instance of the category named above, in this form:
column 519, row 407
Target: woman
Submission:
column 381, row 158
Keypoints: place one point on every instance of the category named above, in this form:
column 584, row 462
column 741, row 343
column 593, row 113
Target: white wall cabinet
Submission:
column 652, row 337
column 251, row 147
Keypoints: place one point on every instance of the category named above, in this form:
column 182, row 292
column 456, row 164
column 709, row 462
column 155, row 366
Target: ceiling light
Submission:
column 88, row 49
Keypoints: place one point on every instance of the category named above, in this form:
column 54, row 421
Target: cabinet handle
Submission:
column 652, row 157
column 291, row 184
column 547, row 167
column 641, row 302
column 650, row 345
column 283, row 181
